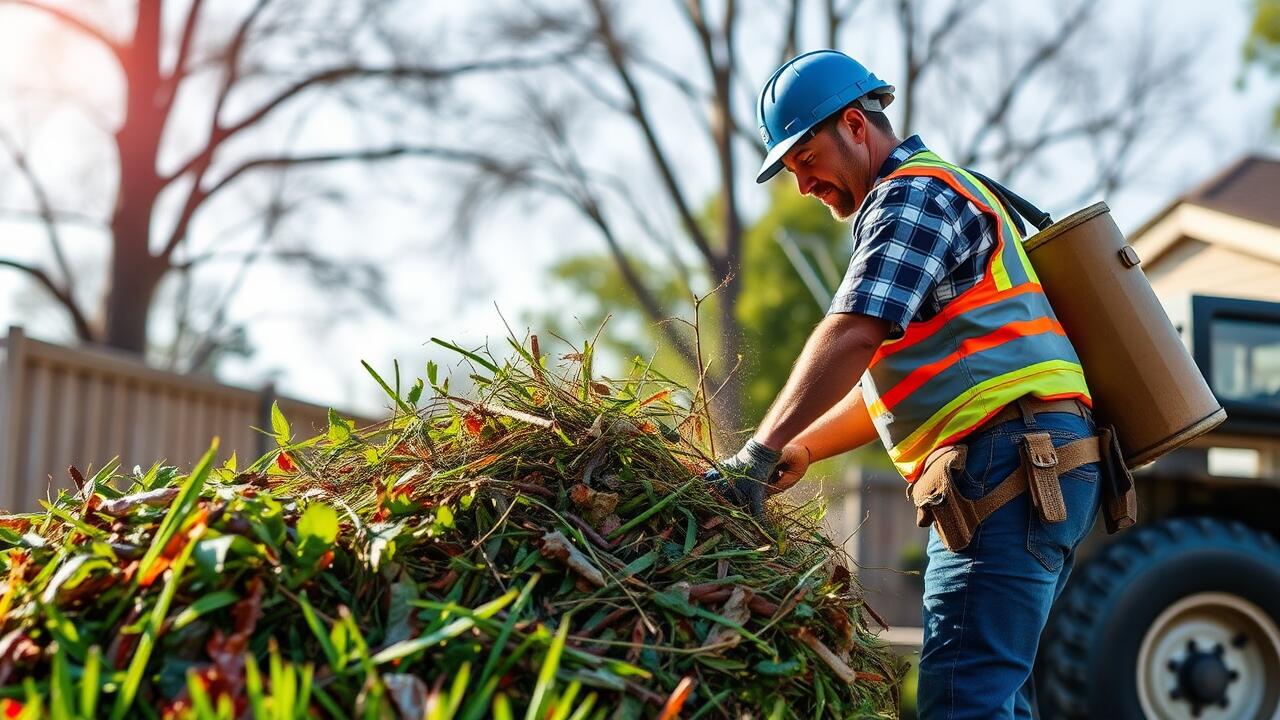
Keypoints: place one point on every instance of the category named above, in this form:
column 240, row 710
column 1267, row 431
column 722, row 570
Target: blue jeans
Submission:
column 985, row 606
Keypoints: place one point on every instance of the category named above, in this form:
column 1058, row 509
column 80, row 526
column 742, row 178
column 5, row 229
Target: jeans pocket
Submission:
column 1051, row 543
column 977, row 465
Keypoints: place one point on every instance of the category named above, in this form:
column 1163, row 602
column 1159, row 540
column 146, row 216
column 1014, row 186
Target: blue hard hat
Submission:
column 806, row 90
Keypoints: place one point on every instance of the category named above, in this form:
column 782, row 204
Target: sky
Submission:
column 439, row 288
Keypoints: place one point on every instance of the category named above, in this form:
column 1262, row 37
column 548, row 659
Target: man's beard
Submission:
column 842, row 205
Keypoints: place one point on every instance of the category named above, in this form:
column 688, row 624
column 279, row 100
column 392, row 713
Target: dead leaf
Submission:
column 556, row 546
column 408, row 693
column 736, row 610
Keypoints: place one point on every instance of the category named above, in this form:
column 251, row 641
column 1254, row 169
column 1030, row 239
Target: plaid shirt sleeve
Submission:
column 903, row 245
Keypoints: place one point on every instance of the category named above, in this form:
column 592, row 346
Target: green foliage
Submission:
column 1262, row 45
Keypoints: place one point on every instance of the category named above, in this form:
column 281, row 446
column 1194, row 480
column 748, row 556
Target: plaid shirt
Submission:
column 917, row 244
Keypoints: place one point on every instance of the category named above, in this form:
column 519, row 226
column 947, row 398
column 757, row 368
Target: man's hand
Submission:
column 744, row 477
column 793, row 465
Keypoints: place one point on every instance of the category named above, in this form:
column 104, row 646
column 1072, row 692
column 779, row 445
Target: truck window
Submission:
column 1246, row 361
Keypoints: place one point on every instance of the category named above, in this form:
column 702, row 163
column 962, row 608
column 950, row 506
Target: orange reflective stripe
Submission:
column 1000, row 336
column 964, row 302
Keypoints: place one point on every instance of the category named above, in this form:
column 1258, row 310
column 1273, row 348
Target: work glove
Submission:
column 744, row 478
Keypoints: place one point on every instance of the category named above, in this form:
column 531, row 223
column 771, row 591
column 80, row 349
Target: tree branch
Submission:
column 231, row 75
column 222, row 133
column 83, row 330
column 44, row 208
column 185, row 44
column 640, row 116
column 75, row 23
column 1020, row 77
column 790, row 31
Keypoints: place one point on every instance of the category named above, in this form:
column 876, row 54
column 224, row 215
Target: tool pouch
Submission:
column 1119, row 498
column 1040, row 462
column 938, row 501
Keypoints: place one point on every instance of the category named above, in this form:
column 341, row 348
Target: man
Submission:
column 942, row 317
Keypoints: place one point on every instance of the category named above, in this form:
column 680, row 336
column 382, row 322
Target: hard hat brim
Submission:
column 773, row 161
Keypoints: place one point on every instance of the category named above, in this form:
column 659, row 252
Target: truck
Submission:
column 1179, row 617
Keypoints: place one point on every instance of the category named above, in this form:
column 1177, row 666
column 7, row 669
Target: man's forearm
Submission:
column 846, row 426
column 833, row 359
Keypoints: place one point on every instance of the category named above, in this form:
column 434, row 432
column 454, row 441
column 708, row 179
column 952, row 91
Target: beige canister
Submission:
column 1142, row 378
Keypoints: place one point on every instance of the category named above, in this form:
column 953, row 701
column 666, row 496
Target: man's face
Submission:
column 833, row 165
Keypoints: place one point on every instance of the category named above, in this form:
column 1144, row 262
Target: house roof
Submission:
column 1238, row 208
column 1247, row 189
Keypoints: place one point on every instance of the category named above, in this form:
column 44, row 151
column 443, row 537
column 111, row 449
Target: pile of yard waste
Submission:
column 543, row 548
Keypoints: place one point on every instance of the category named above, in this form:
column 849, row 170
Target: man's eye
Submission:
column 806, row 160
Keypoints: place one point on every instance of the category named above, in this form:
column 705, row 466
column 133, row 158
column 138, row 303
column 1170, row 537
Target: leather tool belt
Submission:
column 956, row 518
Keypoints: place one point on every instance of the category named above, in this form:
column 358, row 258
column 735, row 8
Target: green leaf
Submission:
column 451, row 630
column 433, row 372
column 205, row 605
column 479, row 703
column 415, row 392
column 399, row 610
column 128, row 689
column 444, row 518
column 468, row 354
column 279, row 425
column 91, row 682
column 254, row 687
column 61, row 691
column 211, row 553
column 336, row 661
column 547, row 674
column 339, row 429
column 317, row 531
column 73, row 572
column 387, row 388
column 181, row 508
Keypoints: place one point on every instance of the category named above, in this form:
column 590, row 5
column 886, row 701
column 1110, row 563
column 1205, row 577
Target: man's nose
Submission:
column 805, row 182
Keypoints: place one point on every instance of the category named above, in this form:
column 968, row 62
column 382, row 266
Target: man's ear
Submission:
column 856, row 122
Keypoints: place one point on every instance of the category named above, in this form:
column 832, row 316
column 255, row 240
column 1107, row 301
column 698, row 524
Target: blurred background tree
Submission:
column 206, row 116
column 1262, row 46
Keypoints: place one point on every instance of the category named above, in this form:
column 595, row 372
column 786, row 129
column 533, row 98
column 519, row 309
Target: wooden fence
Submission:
column 868, row 510
column 63, row 406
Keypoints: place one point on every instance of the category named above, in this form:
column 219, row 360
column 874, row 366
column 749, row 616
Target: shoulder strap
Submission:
column 1015, row 203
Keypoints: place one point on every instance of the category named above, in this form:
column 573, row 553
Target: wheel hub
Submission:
column 1210, row 656
column 1202, row 678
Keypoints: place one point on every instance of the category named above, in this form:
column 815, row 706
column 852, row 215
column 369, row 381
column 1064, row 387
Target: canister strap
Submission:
column 1016, row 203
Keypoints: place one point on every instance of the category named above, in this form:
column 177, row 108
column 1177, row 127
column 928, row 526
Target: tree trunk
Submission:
column 135, row 272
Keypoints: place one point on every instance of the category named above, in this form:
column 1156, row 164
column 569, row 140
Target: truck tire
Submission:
column 1176, row 619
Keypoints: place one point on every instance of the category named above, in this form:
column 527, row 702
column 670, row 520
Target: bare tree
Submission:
column 206, row 89
column 1003, row 97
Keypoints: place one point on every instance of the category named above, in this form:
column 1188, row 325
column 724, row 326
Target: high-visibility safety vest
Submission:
column 990, row 345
